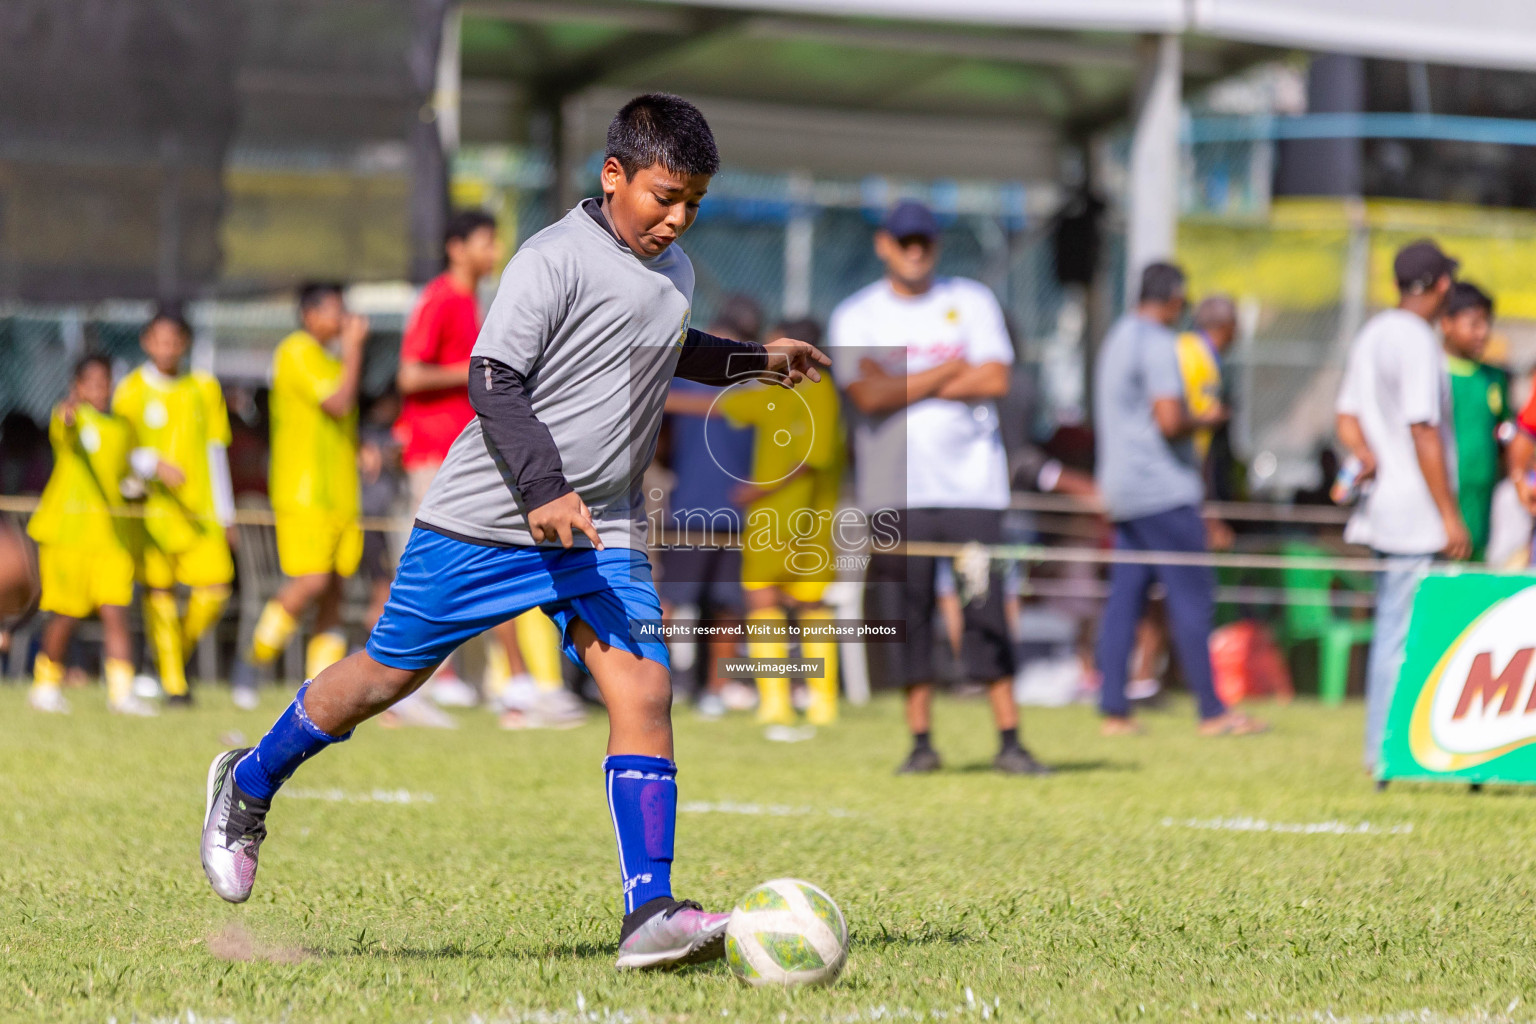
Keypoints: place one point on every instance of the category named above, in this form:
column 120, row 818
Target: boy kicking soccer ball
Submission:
column 539, row 503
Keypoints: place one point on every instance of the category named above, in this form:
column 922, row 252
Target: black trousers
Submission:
column 902, row 587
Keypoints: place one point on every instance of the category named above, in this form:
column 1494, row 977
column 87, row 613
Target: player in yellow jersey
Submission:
column 1200, row 353
column 181, row 443
column 313, row 482
column 788, row 550
column 85, row 539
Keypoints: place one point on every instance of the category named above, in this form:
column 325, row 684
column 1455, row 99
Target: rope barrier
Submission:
column 1100, row 556
column 1098, row 590
column 1245, row 511
column 1028, row 553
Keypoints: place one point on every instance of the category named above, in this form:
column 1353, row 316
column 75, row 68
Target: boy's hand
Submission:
column 168, row 474
column 1217, row 417
column 793, row 361
column 1527, row 492
column 1458, row 544
column 562, row 518
column 354, row 332
column 67, row 411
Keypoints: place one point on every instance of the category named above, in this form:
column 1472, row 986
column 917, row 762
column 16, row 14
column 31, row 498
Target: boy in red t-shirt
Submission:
column 434, row 354
column 434, row 389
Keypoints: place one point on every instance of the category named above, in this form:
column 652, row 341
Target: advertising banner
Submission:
column 1465, row 705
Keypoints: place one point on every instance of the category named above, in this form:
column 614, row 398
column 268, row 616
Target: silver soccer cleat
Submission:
column 683, row 934
column 233, row 829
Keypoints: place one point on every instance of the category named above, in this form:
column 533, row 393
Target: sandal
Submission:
column 1233, row 723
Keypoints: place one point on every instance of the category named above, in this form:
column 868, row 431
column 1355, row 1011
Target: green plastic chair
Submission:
column 1305, row 621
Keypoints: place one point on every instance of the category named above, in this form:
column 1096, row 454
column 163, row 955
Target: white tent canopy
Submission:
column 1482, row 33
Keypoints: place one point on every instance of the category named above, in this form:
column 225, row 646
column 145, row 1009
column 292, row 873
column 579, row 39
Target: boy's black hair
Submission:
column 91, row 359
column 1465, row 295
column 1160, row 282
column 465, row 223
column 171, row 314
column 659, row 128
column 312, row 293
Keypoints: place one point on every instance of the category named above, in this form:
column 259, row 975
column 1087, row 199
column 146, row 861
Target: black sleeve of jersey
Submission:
column 719, row 361
column 499, row 396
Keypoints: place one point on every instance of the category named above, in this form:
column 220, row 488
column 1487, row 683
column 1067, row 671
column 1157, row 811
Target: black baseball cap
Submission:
column 1420, row 264
column 911, row 219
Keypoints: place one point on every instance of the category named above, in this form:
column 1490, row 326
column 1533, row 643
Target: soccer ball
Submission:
column 786, row 932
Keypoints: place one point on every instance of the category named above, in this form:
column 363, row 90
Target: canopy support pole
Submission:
column 1152, row 194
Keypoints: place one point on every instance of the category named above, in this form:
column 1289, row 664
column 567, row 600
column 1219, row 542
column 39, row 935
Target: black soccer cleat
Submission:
column 921, row 761
column 1018, row 761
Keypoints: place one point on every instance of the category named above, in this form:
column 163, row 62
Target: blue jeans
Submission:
column 1395, row 588
column 1191, row 599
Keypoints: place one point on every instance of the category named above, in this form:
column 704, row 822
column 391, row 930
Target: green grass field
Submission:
column 471, row 875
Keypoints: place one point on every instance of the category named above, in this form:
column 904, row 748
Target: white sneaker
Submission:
column 48, row 699
column 520, row 694
column 245, row 697
column 416, row 710
column 552, row 709
column 453, row 692
column 738, row 696
column 134, row 707
column 146, row 687
column 1142, row 689
column 709, row 705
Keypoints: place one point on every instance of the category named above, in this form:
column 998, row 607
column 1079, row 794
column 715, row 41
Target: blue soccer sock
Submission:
column 292, row 740
column 642, row 797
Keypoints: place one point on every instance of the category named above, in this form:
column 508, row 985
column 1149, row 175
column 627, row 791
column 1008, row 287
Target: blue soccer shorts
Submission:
column 447, row 591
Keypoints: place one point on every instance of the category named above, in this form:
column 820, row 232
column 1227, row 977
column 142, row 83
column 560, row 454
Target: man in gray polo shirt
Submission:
column 1152, row 486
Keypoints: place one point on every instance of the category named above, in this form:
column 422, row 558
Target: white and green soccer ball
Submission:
column 786, row 932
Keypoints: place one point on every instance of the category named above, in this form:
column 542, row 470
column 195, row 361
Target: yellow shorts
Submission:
column 79, row 580
column 310, row 543
column 206, row 564
column 761, row 569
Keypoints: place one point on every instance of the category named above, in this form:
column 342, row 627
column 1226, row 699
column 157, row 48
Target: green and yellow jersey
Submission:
column 1479, row 406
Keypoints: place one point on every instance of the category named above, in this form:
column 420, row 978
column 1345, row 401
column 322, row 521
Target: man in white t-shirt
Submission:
column 923, row 360
column 1394, row 416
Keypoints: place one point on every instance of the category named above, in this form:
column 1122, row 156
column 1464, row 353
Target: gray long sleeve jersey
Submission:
column 592, row 335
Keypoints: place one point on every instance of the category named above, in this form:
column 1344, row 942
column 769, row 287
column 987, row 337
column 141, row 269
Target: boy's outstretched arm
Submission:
column 709, row 359
column 499, row 396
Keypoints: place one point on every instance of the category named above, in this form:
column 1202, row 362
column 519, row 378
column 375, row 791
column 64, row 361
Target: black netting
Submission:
column 132, row 130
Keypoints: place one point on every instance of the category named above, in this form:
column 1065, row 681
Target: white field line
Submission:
column 1308, row 828
column 972, row 1009
column 376, row 796
column 773, row 810
column 1421, row 1016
